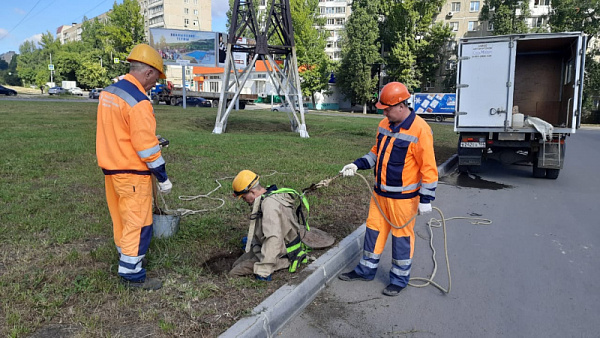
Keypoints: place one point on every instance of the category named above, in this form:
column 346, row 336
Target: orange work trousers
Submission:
column 399, row 212
column 129, row 198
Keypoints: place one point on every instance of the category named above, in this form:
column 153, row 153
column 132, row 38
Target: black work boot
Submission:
column 147, row 284
column 351, row 276
column 392, row 290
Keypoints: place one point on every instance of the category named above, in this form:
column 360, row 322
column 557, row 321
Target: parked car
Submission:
column 76, row 91
column 7, row 91
column 195, row 102
column 95, row 93
column 284, row 108
column 57, row 91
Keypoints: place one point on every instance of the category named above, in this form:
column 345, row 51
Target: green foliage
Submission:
column 360, row 51
column 416, row 46
column 310, row 46
column 508, row 16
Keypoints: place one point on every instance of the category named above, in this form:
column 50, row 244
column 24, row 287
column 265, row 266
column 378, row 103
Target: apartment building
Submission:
column 72, row 32
column 177, row 14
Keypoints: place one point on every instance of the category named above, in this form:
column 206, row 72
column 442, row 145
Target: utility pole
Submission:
column 283, row 74
column 52, row 68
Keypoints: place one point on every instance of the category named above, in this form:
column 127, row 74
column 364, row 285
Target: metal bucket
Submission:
column 165, row 225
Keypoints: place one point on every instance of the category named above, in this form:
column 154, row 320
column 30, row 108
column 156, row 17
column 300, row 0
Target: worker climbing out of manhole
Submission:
column 279, row 236
column 405, row 181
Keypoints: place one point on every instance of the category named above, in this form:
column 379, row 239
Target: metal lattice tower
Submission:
column 277, row 29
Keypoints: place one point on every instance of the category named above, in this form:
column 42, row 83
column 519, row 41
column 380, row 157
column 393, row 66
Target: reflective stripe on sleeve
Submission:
column 156, row 163
column 371, row 158
column 149, row 152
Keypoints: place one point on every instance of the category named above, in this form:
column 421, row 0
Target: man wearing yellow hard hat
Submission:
column 278, row 240
column 128, row 152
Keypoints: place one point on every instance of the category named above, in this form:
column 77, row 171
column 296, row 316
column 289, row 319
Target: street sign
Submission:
column 116, row 60
column 50, row 67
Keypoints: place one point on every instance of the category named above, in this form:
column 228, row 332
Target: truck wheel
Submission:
column 168, row 102
column 538, row 172
column 173, row 101
column 215, row 103
column 439, row 118
column 552, row 173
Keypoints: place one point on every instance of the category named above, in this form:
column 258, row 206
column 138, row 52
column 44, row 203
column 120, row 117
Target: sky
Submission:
column 22, row 20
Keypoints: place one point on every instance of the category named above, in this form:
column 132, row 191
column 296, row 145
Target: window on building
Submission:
column 450, row 64
column 195, row 2
column 195, row 12
column 340, row 10
column 340, row 21
column 474, row 7
column 538, row 22
column 454, row 26
column 214, row 87
column 330, row 10
column 186, row 1
column 455, row 7
column 472, row 26
column 541, row 2
column 490, row 26
column 330, row 21
column 186, row 22
column 186, row 11
column 196, row 23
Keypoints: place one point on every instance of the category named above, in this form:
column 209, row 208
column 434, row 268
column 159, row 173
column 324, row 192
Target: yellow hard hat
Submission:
column 243, row 182
column 148, row 55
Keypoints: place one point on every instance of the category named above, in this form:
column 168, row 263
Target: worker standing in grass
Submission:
column 129, row 153
column 405, row 181
column 278, row 239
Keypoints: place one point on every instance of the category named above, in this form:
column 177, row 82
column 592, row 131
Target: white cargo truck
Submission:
column 518, row 98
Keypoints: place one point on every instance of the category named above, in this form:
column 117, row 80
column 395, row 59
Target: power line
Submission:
column 5, row 35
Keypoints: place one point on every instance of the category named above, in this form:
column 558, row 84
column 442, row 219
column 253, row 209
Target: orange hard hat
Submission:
column 392, row 94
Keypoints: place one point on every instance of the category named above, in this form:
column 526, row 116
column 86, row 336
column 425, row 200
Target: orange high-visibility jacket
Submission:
column 126, row 132
column 403, row 160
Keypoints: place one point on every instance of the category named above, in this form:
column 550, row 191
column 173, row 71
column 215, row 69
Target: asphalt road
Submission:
column 531, row 273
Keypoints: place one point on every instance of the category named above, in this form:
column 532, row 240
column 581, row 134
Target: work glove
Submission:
column 165, row 187
column 264, row 279
column 349, row 170
column 424, row 208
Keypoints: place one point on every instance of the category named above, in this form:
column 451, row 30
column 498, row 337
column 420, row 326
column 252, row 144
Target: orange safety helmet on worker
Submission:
column 406, row 176
column 392, row 94
column 128, row 152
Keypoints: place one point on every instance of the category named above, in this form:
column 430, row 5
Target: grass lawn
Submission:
column 58, row 267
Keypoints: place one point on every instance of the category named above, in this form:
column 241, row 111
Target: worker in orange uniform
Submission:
column 405, row 181
column 129, row 153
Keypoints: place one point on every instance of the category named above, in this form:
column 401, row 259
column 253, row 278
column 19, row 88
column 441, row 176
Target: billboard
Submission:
column 200, row 48
column 240, row 59
column 436, row 103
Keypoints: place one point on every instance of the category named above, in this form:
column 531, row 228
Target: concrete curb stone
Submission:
column 273, row 313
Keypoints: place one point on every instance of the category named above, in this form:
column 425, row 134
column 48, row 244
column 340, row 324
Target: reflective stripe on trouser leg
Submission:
column 403, row 240
column 367, row 267
column 129, row 200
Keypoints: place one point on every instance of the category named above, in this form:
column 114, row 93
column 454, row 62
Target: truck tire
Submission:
column 173, row 101
column 552, row 173
column 537, row 171
column 439, row 118
column 168, row 102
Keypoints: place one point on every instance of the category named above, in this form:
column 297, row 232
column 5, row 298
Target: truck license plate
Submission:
column 472, row 144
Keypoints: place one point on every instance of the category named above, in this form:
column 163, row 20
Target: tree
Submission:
column 502, row 14
column 360, row 52
column 310, row 46
column 581, row 16
column 413, row 44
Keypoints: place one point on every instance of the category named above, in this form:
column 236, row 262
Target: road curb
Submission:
column 270, row 316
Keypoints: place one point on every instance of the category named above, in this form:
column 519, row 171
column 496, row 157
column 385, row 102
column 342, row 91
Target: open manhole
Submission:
column 222, row 262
